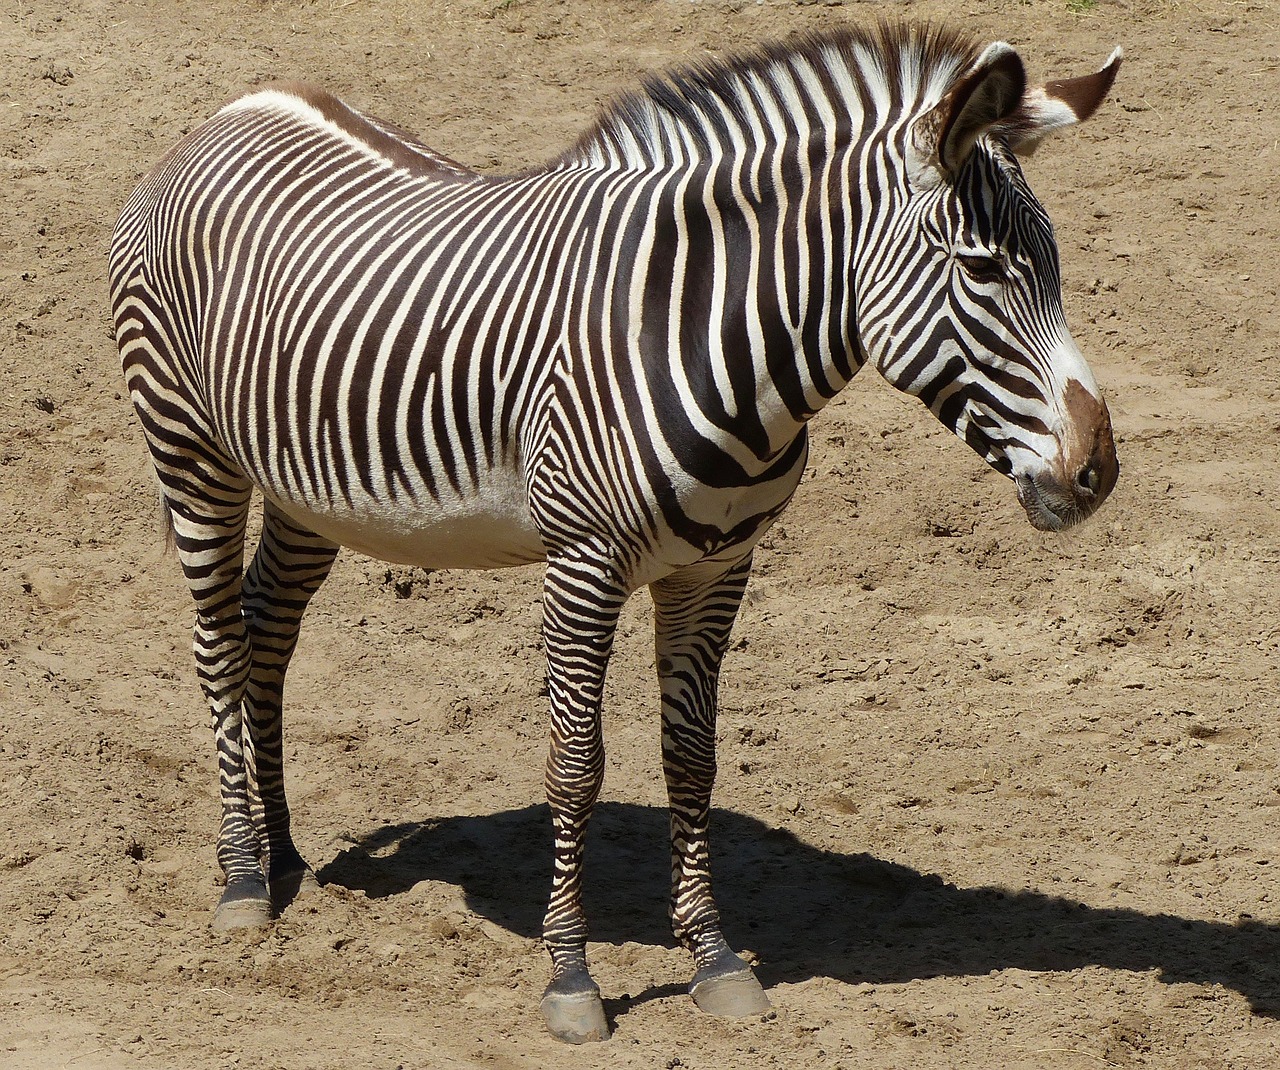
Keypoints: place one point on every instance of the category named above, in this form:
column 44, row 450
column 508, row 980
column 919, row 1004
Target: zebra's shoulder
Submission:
column 317, row 106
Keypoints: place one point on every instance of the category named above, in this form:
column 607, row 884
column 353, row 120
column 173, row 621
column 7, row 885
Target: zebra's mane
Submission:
column 860, row 69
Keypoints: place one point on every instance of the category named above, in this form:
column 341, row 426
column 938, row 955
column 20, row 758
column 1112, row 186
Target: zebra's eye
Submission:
column 981, row 268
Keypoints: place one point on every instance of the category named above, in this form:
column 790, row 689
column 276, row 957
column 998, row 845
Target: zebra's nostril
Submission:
column 1089, row 479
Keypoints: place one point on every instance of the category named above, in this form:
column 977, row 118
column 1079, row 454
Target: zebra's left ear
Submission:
column 988, row 93
column 1056, row 105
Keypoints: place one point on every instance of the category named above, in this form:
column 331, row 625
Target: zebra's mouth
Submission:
column 1047, row 510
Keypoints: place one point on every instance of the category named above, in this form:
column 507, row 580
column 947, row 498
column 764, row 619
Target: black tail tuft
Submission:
column 166, row 518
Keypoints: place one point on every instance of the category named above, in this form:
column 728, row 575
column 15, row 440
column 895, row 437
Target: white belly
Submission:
column 490, row 527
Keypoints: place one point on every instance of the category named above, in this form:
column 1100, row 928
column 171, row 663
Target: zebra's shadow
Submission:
column 805, row 911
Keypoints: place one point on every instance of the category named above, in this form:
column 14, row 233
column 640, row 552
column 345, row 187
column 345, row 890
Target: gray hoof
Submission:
column 244, row 905
column 730, row 995
column 288, row 888
column 574, row 1011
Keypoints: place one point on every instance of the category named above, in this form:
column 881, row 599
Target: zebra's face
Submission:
column 977, row 331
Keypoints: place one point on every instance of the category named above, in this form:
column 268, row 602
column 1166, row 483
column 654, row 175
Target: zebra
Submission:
column 605, row 364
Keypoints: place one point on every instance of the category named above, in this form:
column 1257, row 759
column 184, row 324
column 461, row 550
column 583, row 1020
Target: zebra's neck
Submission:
column 772, row 174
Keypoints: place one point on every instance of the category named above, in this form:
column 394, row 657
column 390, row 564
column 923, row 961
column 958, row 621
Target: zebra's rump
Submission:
column 321, row 293
column 387, row 139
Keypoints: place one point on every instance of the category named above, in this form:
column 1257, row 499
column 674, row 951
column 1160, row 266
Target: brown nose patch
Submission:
column 1089, row 440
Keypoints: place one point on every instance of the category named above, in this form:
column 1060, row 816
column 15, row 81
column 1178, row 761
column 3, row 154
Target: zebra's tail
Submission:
column 166, row 522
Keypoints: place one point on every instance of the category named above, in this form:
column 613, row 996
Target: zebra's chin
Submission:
column 1047, row 509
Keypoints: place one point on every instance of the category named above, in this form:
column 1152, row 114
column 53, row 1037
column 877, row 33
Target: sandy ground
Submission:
column 987, row 799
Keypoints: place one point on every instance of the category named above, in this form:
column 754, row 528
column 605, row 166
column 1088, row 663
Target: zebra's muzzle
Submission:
column 1068, row 487
column 1046, row 509
column 1054, row 507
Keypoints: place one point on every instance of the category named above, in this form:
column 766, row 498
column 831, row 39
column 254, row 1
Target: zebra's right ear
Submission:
column 988, row 93
column 1057, row 105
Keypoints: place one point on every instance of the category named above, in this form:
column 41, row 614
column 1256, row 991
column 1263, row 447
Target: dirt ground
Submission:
column 988, row 798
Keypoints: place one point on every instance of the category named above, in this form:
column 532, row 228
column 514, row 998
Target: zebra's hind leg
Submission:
column 694, row 612
column 288, row 568
column 581, row 602
column 208, row 510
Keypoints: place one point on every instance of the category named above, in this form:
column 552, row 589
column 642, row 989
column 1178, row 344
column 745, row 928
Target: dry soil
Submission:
column 988, row 798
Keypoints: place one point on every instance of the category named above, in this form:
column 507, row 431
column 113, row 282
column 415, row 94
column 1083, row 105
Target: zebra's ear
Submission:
column 1057, row 105
column 987, row 94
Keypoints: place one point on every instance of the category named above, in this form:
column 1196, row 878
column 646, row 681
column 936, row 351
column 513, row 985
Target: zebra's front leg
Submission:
column 581, row 602
column 694, row 613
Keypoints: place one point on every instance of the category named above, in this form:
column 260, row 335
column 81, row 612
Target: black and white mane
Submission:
column 834, row 78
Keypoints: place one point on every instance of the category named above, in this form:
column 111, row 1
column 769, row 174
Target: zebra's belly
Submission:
column 491, row 528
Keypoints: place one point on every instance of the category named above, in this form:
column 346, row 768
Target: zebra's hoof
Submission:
column 288, row 888
column 244, row 905
column 733, row 993
column 574, row 1011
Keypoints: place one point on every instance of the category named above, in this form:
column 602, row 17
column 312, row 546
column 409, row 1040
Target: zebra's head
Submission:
column 962, row 305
